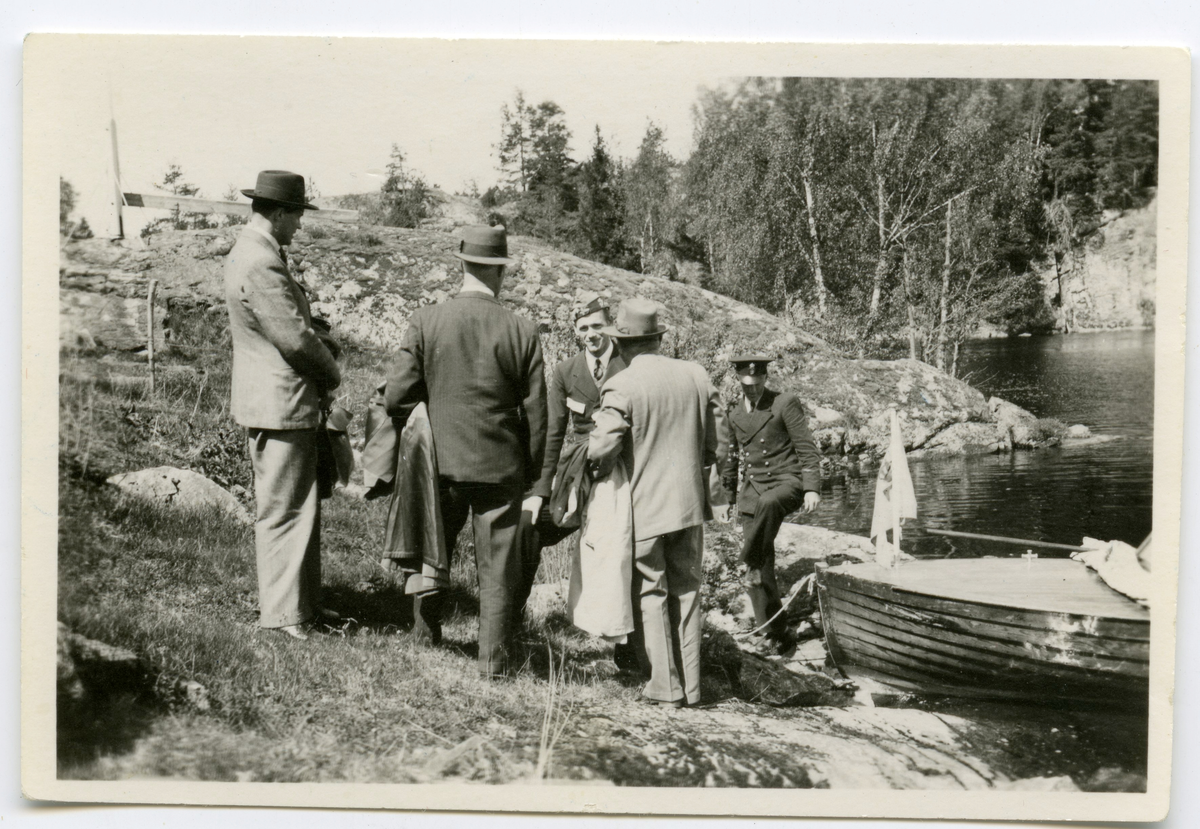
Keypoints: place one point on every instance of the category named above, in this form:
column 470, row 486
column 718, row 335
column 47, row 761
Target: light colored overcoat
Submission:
column 281, row 369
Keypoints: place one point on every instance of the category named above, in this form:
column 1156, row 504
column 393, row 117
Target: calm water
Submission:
column 1103, row 380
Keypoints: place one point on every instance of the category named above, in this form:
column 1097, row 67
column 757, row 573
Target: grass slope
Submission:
column 360, row 703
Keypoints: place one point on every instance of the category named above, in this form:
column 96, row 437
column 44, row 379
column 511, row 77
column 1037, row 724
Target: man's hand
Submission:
column 811, row 500
column 533, row 506
column 721, row 513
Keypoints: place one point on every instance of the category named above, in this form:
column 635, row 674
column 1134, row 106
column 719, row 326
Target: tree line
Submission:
column 884, row 214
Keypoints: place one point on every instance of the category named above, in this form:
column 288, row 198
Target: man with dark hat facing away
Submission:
column 478, row 368
column 783, row 474
column 283, row 372
column 573, row 397
column 664, row 418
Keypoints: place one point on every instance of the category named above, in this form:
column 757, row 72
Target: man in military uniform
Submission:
column 782, row 475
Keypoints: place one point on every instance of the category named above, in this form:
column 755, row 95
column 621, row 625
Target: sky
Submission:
column 330, row 109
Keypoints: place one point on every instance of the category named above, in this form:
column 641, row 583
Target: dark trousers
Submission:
column 758, row 551
column 495, row 512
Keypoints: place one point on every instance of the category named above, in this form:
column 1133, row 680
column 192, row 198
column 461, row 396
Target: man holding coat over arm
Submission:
column 664, row 419
column 478, row 367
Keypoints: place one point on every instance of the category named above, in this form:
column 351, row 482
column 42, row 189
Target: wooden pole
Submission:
column 116, row 171
column 150, row 328
column 1006, row 540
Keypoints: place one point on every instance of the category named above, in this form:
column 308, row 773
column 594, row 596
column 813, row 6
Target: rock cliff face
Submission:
column 1111, row 284
column 368, row 282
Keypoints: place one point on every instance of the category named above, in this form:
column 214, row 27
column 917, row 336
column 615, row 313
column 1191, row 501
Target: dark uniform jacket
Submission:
column 574, row 398
column 777, row 445
column 478, row 366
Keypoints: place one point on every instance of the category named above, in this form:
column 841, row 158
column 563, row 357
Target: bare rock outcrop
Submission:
column 368, row 281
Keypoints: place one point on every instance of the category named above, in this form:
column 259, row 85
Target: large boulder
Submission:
column 180, row 489
column 1020, row 429
column 962, row 439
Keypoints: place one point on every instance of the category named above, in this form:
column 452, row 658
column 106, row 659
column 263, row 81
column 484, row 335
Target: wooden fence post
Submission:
column 150, row 328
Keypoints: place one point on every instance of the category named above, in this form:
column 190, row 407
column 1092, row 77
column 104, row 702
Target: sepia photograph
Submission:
column 543, row 426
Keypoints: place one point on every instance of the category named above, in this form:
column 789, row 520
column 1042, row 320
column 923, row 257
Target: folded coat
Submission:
column 600, row 599
column 414, row 541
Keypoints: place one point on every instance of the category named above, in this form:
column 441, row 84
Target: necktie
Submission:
column 598, row 372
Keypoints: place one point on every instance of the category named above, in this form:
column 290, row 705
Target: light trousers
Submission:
column 666, row 591
column 287, row 532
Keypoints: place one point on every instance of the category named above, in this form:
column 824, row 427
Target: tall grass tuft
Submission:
column 555, row 717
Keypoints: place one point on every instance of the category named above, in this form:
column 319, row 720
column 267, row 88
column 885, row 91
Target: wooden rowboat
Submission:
column 1039, row 630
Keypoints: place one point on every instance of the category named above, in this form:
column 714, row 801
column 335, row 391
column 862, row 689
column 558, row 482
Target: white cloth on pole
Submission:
column 599, row 599
column 895, row 499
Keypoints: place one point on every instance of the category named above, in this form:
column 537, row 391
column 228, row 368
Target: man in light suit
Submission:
column 664, row 418
column 283, row 371
column 478, row 367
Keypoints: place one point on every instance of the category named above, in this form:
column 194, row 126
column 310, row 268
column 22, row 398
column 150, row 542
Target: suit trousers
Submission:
column 666, row 591
column 287, row 532
column 758, row 551
column 495, row 510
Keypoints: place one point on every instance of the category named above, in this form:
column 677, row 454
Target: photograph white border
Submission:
column 40, row 447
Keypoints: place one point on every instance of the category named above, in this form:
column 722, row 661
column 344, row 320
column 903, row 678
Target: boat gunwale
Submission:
column 845, row 571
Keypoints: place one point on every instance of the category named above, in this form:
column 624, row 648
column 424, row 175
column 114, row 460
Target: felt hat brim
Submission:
column 612, row 331
column 483, row 260
column 250, row 194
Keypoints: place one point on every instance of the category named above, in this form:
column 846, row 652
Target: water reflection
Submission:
column 1104, row 380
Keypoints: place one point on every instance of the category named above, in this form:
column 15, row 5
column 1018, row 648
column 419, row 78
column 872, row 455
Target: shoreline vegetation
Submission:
column 163, row 671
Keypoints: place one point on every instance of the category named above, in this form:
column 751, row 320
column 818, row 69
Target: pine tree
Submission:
column 601, row 228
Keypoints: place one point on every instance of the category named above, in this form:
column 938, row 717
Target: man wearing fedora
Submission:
column 283, row 372
column 478, row 367
column 769, row 430
column 663, row 417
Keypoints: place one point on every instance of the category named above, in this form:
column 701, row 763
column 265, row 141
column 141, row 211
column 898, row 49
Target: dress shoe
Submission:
column 662, row 703
column 294, row 631
column 328, row 615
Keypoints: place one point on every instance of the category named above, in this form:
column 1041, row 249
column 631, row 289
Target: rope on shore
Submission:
column 804, row 585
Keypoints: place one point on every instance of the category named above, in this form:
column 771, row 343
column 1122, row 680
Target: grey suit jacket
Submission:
column 281, row 369
column 665, row 418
